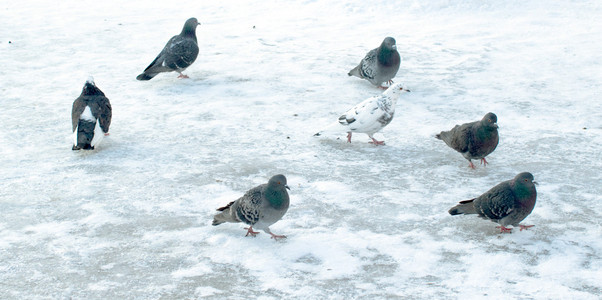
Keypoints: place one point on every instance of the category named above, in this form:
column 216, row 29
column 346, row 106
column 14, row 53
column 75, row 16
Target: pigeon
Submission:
column 380, row 64
column 370, row 116
column 474, row 140
column 90, row 117
column 259, row 207
column 507, row 203
column 179, row 53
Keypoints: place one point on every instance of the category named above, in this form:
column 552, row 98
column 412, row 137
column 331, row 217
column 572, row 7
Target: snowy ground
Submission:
column 131, row 220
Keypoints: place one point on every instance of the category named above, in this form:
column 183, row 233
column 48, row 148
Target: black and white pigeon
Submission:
column 370, row 116
column 259, row 207
column 507, row 203
column 90, row 116
column 473, row 140
column 179, row 53
column 380, row 64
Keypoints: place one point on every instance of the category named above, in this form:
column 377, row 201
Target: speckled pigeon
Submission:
column 179, row 53
column 507, row 203
column 90, row 116
column 259, row 207
column 473, row 140
column 369, row 116
column 380, row 64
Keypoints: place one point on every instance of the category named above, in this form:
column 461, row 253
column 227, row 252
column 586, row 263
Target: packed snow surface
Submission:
column 132, row 219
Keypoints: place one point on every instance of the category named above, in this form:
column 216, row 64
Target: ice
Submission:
column 131, row 219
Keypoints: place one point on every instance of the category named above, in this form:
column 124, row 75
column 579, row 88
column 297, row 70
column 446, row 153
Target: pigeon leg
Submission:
column 106, row 134
column 525, row 227
column 251, row 232
column 183, row 76
column 504, row 229
column 484, row 162
column 471, row 165
column 349, row 137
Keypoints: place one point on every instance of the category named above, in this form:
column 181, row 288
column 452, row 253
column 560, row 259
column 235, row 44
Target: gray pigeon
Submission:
column 259, row 207
column 380, row 64
column 473, row 140
column 370, row 115
column 179, row 53
column 90, row 117
column 507, row 203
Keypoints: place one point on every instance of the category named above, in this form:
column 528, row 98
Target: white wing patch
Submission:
column 87, row 115
column 98, row 135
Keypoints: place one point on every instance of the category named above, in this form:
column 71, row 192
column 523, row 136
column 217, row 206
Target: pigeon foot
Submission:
column 251, row 232
column 504, row 229
column 183, row 76
column 525, row 227
column 276, row 237
column 471, row 165
column 106, row 134
column 349, row 137
column 484, row 162
column 375, row 142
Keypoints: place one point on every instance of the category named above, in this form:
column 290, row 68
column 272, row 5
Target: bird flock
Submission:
column 507, row 203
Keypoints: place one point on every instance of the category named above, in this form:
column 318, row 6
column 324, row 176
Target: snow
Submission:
column 131, row 219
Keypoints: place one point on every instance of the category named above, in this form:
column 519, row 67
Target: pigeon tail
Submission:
column 224, row 216
column 465, row 207
column 145, row 77
column 84, row 135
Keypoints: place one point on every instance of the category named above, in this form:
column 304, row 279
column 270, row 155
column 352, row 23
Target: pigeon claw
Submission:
column 504, row 229
column 276, row 237
column 251, row 232
column 525, row 227
column 349, row 137
column 484, row 162
column 183, row 76
column 376, row 142
column 471, row 165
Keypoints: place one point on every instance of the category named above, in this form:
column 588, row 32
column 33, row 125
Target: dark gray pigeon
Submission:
column 259, row 207
column 507, row 203
column 380, row 64
column 179, row 53
column 90, row 117
column 473, row 140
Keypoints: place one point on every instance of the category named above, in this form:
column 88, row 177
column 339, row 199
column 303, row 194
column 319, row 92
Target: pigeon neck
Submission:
column 188, row 31
column 385, row 56
column 276, row 196
column 524, row 191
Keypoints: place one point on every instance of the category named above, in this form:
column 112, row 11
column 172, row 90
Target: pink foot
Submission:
column 525, row 227
column 251, row 232
column 349, row 137
column 183, row 76
column 484, row 162
column 276, row 237
column 471, row 165
column 375, row 142
column 106, row 134
column 504, row 229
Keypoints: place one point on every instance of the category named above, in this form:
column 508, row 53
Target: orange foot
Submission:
column 504, row 229
column 375, row 142
column 183, row 76
column 251, row 232
column 484, row 162
column 471, row 165
column 525, row 227
column 276, row 237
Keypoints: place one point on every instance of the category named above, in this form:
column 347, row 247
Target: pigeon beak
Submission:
column 495, row 125
column 535, row 182
column 394, row 47
column 288, row 188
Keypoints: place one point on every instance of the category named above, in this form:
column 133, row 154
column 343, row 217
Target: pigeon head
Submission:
column 396, row 89
column 190, row 27
column 389, row 43
column 525, row 178
column 524, row 186
column 489, row 120
column 278, row 181
column 90, row 88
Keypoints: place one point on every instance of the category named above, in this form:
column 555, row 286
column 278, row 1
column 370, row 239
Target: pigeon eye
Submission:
column 526, row 180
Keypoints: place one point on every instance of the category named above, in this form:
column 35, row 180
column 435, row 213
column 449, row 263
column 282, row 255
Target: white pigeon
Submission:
column 370, row 116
